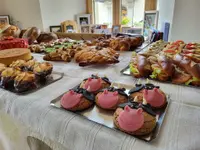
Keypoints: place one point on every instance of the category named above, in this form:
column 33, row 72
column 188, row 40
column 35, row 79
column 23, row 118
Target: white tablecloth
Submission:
column 180, row 130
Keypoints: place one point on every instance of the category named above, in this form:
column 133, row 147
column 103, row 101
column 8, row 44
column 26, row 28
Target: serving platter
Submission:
column 105, row 117
column 55, row 76
column 126, row 71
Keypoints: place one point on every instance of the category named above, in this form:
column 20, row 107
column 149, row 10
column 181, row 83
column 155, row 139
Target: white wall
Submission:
column 138, row 10
column 186, row 21
column 2, row 7
column 166, row 12
column 27, row 12
column 56, row 11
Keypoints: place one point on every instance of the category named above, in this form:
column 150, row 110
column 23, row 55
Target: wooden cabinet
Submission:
column 150, row 5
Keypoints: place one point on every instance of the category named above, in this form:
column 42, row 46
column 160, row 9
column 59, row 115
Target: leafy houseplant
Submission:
column 125, row 21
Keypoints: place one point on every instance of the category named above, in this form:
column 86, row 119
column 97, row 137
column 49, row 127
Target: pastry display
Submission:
column 154, row 48
column 148, row 93
column 62, row 54
column 111, row 97
column 176, row 62
column 96, row 55
column 138, row 111
column 36, row 48
column 52, row 46
column 24, row 81
column 120, row 43
column 23, row 75
column 95, row 83
column 10, row 42
column 77, row 99
column 135, row 119
column 9, row 55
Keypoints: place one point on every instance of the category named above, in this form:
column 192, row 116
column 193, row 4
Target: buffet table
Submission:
column 59, row 128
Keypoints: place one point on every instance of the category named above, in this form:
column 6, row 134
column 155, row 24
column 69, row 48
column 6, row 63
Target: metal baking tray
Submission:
column 55, row 76
column 105, row 117
column 126, row 71
column 142, row 47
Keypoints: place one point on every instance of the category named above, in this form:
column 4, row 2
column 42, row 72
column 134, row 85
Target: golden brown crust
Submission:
column 60, row 55
column 139, row 96
column 124, row 45
column 92, row 55
column 18, row 64
column 82, row 105
column 148, row 126
column 122, row 99
column 9, row 55
column 47, row 37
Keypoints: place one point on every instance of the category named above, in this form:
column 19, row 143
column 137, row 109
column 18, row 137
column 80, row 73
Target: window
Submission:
column 102, row 12
column 132, row 13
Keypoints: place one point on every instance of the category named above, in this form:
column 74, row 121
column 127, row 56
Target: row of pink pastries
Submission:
column 134, row 112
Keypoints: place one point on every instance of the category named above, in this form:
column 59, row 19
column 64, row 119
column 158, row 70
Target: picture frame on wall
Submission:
column 85, row 28
column 116, row 29
column 56, row 28
column 83, row 19
column 4, row 19
column 150, row 21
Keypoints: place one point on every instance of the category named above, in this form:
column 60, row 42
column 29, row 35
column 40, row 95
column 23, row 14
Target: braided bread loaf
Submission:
column 96, row 55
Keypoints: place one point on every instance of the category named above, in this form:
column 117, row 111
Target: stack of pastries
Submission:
column 177, row 62
column 120, row 43
column 53, row 45
column 133, row 112
column 22, row 75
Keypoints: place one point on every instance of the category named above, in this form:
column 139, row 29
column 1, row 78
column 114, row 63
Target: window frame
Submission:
column 149, row 5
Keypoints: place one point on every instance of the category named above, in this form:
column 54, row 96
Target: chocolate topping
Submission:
column 103, row 78
column 134, row 105
column 89, row 96
column 139, row 87
column 120, row 91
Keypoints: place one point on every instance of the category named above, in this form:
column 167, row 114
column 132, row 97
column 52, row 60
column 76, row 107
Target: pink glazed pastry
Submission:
column 70, row 99
column 95, row 83
column 154, row 97
column 110, row 98
column 131, row 120
column 134, row 120
column 77, row 100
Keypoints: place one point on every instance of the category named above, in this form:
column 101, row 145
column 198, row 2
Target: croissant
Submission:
column 96, row 55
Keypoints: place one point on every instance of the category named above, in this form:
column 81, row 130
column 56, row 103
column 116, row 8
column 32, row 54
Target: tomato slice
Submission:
column 179, row 42
column 170, row 51
column 190, row 46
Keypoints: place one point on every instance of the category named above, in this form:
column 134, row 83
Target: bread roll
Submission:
column 31, row 34
column 46, row 37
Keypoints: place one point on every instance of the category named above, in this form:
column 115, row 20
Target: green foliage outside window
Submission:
column 125, row 21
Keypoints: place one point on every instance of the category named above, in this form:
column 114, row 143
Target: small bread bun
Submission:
column 47, row 37
column 31, row 34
